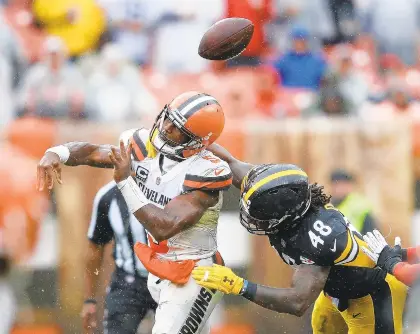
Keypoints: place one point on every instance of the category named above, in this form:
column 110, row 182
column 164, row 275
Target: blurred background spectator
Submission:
column 116, row 91
column 182, row 24
column 394, row 26
column 330, row 103
column 259, row 12
column 315, row 15
column 53, row 88
column 301, row 67
column 130, row 26
column 346, row 79
column 350, row 202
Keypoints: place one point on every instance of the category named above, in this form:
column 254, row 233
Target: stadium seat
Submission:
column 32, row 135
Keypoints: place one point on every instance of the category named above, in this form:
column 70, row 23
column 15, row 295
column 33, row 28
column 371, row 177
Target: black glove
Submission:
column 389, row 257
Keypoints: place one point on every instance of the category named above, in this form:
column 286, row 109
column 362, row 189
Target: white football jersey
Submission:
column 203, row 171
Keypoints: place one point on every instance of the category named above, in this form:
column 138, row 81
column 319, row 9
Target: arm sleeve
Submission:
column 406, row 273
column 413, row 255
column 100, row 231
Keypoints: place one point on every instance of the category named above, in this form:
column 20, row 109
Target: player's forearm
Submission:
column 160, row 223
column 82, row 153
column 239, row 171
column 308, row 281
column 239, row 168
column 406, row 273
column 289, row 301
column 92, row 270
column 412, row 255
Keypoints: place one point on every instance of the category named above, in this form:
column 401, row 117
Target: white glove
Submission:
column 376, row 243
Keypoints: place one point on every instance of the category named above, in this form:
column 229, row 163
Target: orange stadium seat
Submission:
column 32, row 135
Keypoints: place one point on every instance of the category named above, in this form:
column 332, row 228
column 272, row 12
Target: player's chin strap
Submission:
column 132, row 194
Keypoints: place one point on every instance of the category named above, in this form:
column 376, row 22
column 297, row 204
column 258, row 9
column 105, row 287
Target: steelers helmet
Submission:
column 273, row 198
column 197, row 115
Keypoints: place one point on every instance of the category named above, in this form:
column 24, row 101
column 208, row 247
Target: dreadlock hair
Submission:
column 318, row 197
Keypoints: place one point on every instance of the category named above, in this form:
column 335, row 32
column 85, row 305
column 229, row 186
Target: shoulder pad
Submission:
column 139, row 140
column 208, row 172
column 126, row 135
column 327, row 234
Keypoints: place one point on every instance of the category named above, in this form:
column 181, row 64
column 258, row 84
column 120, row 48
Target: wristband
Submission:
column 90, row 301
column 244, row 287
column 62, row 151
column 250, row 290
column 132, row 194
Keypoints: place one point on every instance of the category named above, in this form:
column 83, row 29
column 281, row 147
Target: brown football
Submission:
column 226, row 39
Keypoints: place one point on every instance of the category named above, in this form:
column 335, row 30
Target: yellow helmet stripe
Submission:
column 269, row 178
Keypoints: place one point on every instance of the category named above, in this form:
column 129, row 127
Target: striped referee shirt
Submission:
column 111, row 219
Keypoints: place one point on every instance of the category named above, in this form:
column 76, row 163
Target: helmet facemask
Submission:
column 168, row 147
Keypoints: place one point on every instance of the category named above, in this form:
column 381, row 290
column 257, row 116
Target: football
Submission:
column 226, row 39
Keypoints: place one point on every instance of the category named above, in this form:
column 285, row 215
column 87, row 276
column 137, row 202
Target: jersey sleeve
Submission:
column 100, row 230
column 208, row 173
column 343, row 246
column 330, row 241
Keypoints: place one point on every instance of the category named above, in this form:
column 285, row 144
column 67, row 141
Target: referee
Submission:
column 128, row 298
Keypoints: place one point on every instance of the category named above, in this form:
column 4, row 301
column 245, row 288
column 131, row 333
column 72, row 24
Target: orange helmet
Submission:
column 199, row 116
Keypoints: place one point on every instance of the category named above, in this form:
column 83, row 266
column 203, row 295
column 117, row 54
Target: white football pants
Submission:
column 182, row 309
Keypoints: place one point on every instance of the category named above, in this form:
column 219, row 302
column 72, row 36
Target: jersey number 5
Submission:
column 322, row 229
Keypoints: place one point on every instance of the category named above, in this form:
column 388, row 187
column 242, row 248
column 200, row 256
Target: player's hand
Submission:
column 218, row 277
column 49, row 168
column 121, row 161
column 89, row 317
column 380, row 252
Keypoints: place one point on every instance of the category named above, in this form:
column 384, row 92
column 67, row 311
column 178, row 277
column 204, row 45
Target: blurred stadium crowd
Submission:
column 121, row 61
column 115, row 60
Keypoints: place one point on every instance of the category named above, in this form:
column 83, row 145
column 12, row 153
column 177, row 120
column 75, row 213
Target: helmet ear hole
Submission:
column 273, row 192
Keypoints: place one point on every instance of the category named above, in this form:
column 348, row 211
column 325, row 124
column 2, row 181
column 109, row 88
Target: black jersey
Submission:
column 326, row 238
